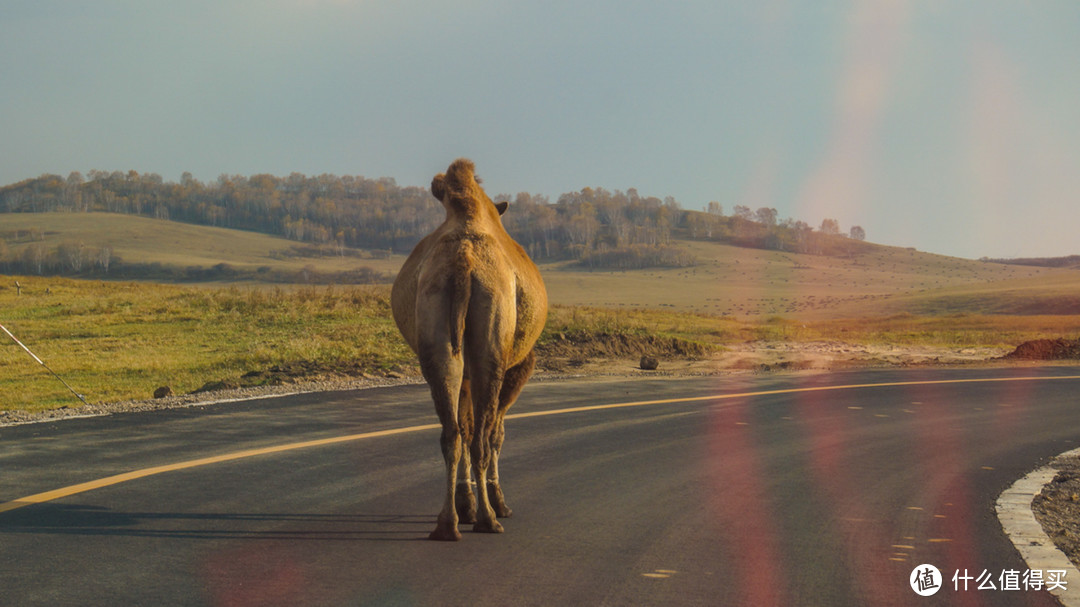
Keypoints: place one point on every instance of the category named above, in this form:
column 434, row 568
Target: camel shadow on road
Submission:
column 56, row 519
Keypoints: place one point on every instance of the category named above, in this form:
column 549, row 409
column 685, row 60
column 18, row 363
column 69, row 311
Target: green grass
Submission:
column 708, row 330
column 118, row 341
column 959, row 330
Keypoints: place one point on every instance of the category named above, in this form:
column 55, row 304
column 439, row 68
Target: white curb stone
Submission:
column 1018, row 520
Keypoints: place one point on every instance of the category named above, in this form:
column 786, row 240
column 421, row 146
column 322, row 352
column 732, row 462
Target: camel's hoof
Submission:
column 492, row 526
column 442, row 534
column 466, row 509
column 498, row 503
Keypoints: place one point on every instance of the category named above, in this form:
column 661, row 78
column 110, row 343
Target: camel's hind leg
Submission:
column 443, row 373
column 513, row 382
column 485, row 395
column 464, row 498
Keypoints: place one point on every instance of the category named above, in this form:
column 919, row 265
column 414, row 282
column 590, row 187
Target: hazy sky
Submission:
column 953, row 127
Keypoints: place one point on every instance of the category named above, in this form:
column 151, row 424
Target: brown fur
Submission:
column 471, row 304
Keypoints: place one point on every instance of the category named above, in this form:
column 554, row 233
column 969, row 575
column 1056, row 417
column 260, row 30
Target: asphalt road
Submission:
column 802, row 496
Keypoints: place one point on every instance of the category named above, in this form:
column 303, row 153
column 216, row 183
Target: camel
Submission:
column 471, row 304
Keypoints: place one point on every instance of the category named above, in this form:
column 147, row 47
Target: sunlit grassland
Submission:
column 118, row 341
column 959, row 330
column 951, row 330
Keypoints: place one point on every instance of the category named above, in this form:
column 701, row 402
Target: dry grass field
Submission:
column 728, row 281
column 752, row 283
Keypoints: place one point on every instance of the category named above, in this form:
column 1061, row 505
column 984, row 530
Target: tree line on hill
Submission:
column 595, row 228
column 1069, row 261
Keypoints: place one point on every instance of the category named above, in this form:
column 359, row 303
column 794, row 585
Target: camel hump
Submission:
column 462, row 171
column 459, row 179
column 460, row 192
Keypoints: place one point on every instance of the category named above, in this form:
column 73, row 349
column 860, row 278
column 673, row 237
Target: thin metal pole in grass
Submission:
column 42, row 363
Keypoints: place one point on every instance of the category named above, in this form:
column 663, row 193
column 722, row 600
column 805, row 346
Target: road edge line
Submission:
column 1014, row 512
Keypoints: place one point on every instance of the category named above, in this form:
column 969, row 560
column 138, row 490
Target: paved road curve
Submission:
column 809, row 497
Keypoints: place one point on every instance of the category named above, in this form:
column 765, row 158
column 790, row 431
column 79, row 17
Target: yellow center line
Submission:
column 109, row 481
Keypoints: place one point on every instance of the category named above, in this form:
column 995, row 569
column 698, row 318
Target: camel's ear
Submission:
column 438, row 186
column 501, row 206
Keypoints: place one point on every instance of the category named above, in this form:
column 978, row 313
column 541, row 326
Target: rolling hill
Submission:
column 727, row 280
column 882, row 281
column 143, row 241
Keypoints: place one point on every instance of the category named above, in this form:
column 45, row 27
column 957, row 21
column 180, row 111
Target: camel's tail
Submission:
column 459, row 300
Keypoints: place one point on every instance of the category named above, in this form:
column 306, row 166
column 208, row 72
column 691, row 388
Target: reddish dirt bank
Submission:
column 1047, row 349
